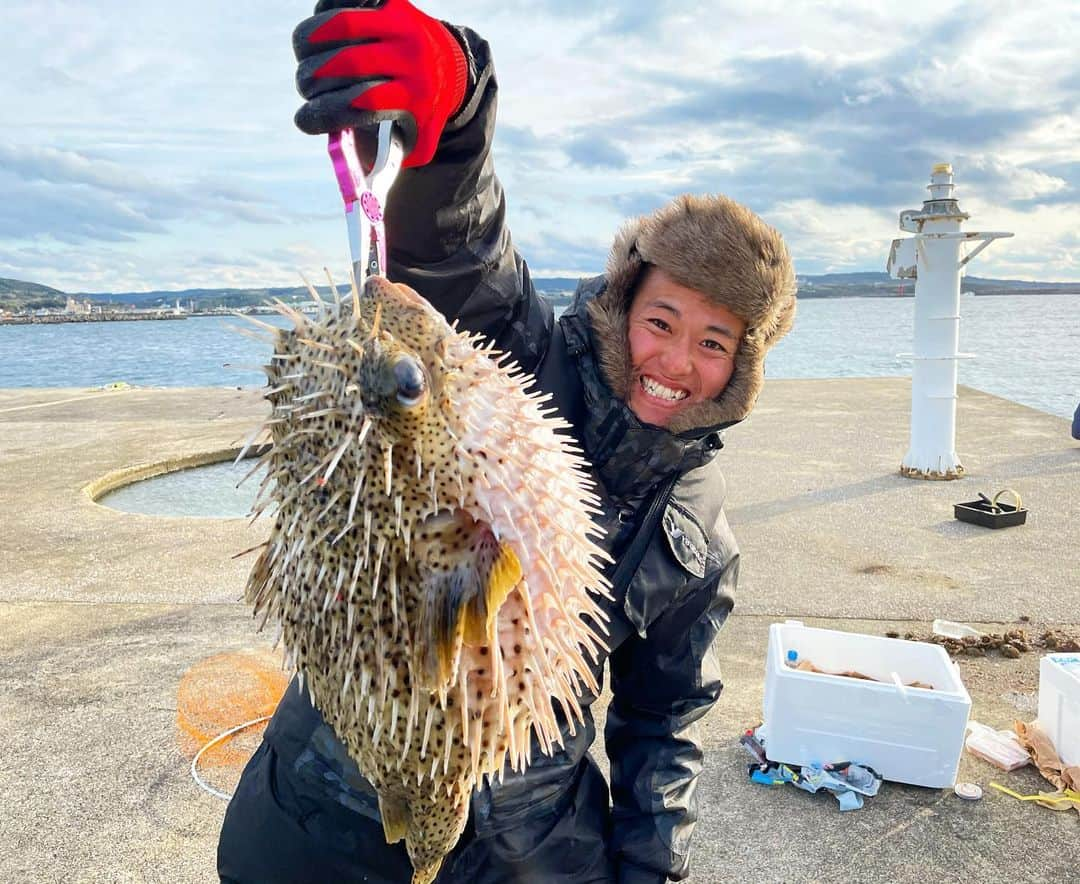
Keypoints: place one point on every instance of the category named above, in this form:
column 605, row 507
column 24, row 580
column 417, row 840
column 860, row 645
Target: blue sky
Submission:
column 149, row 146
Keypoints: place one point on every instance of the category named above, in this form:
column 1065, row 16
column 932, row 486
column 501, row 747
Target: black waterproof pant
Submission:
column 274, row 835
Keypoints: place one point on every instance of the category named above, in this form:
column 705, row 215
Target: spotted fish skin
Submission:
column 431, row 557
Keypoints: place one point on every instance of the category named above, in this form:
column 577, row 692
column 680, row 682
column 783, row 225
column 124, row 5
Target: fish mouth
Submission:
column 658, row 391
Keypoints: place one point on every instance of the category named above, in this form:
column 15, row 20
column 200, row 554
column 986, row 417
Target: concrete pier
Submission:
column 102, row 613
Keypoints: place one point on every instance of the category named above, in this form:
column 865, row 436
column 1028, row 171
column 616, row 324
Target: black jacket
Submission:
column 675, row 571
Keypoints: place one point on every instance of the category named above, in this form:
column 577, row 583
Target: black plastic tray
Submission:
column 981, row 512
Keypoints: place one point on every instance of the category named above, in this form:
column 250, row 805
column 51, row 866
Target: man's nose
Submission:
column 675, row 359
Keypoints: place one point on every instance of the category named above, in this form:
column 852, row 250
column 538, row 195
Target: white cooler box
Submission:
column 908, row 735
column 1059, row 704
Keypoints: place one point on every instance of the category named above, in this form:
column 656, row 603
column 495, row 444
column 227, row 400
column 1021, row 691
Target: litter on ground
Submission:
column 849, row 782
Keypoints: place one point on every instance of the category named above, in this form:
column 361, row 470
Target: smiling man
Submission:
column 682, row 348
column 693, row 297
column 648, row 365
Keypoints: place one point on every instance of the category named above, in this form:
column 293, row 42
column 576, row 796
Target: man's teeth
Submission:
column 656, row 389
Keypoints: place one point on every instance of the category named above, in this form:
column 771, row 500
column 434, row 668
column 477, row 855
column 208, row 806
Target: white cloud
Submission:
column 149, row 146
column 1008, row 181
column 1046, row 244
column 835, row 238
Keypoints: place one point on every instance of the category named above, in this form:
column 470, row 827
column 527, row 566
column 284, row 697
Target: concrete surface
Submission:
column 102, row 613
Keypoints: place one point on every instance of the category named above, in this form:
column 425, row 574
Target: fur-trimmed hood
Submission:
column 726, row 252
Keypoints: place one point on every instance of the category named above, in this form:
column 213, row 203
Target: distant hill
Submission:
column 208, row 298
column 250, row 297
column 866, row 284
column 867, row 277
column 983, row 286
column 16, row 294
column 558, row 288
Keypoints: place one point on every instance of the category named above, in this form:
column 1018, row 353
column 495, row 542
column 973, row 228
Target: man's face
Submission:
column 682, row 348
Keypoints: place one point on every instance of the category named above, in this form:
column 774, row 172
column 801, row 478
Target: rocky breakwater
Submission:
column 56, row 318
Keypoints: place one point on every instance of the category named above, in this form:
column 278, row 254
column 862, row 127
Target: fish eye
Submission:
column 411, row 383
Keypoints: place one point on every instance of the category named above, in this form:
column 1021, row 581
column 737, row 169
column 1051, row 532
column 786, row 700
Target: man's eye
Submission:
column 717, row 347
column 660, row 324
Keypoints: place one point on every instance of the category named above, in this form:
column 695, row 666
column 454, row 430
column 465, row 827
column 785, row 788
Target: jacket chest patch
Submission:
column 665, row 574
column 686, row 539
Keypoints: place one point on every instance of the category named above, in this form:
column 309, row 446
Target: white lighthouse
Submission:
column 933, row 258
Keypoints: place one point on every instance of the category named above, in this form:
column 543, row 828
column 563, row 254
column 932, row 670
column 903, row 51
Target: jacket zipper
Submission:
column 631, row 559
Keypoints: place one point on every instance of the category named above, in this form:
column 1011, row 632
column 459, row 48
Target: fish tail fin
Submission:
column 425, row 876
column 436, row 829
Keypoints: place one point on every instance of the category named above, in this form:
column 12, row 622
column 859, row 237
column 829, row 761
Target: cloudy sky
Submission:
column 151, row 145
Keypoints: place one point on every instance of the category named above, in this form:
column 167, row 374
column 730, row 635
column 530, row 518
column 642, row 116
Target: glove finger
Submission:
column 339, row 28
column 334, row 111
column 304, row 46
column 355, row 25
column 314, row 78
column 392, row 94
column 333, row 70
column 325, row 5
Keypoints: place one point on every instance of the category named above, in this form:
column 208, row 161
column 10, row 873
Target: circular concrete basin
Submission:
column 207, row 490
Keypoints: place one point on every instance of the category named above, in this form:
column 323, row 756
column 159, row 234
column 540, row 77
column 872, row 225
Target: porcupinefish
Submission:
column 432, row 562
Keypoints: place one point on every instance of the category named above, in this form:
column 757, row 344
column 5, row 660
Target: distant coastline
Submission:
column 833, row 337
column 22, row 299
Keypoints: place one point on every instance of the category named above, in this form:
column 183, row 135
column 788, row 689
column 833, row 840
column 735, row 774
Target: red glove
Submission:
column 372, row 61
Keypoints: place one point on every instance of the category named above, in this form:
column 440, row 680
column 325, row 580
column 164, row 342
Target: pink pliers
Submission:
column 365, row 196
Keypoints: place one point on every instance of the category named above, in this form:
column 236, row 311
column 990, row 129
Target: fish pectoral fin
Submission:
column 440, row 623
column 467, row 576
column 503, row 575
column 395, row 817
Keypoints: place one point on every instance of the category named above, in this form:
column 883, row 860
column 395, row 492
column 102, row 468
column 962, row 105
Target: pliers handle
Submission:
column 365, row 196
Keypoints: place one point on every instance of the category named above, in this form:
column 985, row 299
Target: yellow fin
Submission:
column 504, row 575
column 395, row 817
column 466, row 576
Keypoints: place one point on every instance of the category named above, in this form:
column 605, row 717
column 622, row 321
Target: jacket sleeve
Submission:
column 447, row 233
column 662, row 685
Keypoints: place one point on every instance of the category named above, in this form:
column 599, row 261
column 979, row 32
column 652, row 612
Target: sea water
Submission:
column 1027, row 348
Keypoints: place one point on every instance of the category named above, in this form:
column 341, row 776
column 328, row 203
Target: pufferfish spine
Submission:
column 431, row 561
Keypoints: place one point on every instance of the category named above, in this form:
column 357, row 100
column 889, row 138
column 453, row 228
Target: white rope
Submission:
column 219, row 738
